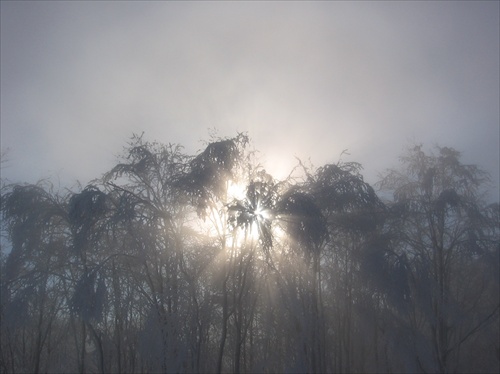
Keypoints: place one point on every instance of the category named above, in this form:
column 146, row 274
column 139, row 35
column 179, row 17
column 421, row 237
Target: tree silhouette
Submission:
column 439, row 210
column 35, row 221
column 206, row 263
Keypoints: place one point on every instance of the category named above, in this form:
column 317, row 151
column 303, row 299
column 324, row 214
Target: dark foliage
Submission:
column 160, row 266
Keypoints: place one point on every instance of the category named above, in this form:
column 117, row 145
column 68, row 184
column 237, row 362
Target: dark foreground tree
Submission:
column 32, row 277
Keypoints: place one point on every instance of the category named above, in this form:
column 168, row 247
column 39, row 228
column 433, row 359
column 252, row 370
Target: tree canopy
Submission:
column 172, row 262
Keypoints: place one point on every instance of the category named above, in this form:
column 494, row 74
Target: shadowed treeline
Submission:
column 206, row 263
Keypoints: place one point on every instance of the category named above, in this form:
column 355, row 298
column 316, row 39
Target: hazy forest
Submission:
column 172, row 262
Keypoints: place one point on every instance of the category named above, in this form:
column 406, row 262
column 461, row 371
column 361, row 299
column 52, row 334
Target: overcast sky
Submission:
column 305, row 79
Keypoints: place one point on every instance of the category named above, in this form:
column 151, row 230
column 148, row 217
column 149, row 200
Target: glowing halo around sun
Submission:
column 236, row 191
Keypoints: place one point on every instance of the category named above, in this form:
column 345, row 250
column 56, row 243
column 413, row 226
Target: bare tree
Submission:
column 443, row 233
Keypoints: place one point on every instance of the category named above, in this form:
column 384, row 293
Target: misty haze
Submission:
column 207, row 263
column 250, row 187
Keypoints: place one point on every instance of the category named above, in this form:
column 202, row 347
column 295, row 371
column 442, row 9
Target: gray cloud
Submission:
column 305, row 79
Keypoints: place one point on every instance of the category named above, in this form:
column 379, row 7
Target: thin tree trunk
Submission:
column 225, row 317
column 82, row 349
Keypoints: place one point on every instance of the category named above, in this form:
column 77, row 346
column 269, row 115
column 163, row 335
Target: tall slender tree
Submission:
column 441, row 213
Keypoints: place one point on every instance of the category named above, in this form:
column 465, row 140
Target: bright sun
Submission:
column 249, row 236
column 236, row 191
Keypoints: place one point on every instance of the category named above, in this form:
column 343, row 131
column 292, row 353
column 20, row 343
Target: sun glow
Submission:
column 243, row 221
column 236, row 191
column 261, row 214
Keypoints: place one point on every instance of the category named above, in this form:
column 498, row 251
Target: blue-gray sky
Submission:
column 305, row 79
